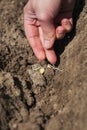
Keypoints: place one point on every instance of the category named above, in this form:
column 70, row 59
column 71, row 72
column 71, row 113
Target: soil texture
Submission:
column 36, row 95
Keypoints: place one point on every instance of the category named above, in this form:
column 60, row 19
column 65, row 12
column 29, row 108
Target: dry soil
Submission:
column 54, row 100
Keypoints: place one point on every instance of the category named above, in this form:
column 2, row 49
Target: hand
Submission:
column 40, row 22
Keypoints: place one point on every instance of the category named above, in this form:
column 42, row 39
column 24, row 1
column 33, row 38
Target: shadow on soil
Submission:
column 61, row 44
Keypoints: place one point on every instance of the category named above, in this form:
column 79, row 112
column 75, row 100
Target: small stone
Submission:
column 48, row 66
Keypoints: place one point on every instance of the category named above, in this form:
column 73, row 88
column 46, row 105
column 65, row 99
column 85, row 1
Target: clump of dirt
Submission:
column 54, row 99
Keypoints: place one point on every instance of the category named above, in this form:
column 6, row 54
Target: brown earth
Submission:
column 55, row 100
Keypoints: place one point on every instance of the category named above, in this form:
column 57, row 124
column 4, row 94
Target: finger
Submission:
column 60, row 32
column 51, row 56
column 67, row 24
column 49, row 33
column 65, row 27
column 34, row 41
column 32, row 35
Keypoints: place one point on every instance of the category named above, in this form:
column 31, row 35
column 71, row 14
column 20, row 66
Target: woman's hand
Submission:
column 41, row 18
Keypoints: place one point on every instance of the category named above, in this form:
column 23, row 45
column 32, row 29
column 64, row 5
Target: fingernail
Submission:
column 47, row 44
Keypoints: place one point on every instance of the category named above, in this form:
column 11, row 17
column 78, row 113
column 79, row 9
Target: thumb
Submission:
column 49, row 33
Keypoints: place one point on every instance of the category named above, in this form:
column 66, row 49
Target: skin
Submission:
column 44, row 22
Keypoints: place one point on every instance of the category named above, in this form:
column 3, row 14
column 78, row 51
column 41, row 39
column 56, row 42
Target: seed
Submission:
column 42, row 70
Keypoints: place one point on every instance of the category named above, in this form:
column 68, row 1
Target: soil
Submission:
column 55, row 99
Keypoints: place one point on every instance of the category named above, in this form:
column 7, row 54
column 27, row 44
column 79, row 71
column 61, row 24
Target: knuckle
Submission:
column 43, row 17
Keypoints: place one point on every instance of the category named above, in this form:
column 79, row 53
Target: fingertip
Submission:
column 60, row 32
column 51, row 56
column 41, row 56
column 39, row 53
column 67, row 24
